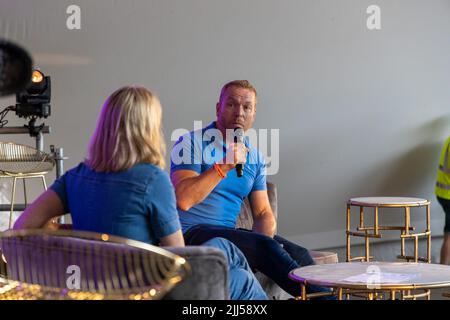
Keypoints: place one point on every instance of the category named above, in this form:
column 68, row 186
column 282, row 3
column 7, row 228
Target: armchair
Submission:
column 85, row 265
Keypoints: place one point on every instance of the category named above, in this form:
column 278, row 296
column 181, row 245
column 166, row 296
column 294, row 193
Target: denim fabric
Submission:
column 138, row 203
column 242, row 282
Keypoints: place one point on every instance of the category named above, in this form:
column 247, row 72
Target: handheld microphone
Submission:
column 239, row 138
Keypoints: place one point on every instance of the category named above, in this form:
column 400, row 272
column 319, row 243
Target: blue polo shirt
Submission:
column 138, row 203
column 197, row 151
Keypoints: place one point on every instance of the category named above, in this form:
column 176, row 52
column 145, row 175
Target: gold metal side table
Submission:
column 374, row 280
column 374, row 230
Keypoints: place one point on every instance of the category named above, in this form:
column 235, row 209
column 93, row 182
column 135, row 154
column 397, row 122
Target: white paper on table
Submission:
column 382, row 277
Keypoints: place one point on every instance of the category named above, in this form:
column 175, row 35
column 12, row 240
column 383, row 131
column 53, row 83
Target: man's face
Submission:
column 236, row 109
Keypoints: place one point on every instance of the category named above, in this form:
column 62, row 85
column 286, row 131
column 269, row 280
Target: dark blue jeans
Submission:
column 275, row 257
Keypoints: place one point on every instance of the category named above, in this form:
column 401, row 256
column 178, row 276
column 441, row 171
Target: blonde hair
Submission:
column 128, row 132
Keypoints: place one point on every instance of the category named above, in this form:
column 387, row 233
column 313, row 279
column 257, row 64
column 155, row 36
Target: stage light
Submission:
column 37, row 76
column 34, row 100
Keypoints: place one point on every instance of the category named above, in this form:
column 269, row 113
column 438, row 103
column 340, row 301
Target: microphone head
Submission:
column 239, row 135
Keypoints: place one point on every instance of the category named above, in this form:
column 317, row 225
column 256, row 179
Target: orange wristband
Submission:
column 219, row 171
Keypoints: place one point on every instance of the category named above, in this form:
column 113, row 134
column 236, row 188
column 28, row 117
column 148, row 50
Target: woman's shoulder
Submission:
column 81, row 167
column 147, row 168
column 150, row 172
column 153, row 178
column 143, row 174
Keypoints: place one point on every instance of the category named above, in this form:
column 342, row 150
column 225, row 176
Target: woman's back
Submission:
column 138, row 203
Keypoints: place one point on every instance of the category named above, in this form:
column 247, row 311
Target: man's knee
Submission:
column 217, row 242
column 232, row 253
column 222, row 244
column 264, row 243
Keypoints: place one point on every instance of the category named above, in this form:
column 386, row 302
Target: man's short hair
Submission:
column 245, row 84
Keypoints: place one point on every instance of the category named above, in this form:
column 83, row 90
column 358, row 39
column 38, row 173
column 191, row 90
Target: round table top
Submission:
column 374, row 275
column 387, row 201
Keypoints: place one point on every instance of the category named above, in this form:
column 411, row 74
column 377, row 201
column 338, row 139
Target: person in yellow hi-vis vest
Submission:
column 443, row 196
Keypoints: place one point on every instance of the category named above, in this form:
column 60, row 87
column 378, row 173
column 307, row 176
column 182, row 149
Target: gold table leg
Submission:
column 393, row 293
column 375, row 222
column 12, row 202
column 303, row 289
column 416, row 249
column 361, row 217
column 339, row 293
column 367, row 249
column 429, row 234
column 407, row 224
column 348, row 235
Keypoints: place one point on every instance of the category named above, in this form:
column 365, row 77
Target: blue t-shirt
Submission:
column 197, row 151
column 138, row 203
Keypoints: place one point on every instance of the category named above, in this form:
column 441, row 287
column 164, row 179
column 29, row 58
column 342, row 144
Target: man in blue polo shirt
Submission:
column 209, row 192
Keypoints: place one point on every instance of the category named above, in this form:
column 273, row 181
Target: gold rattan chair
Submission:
column 23, row 162
column 73, row 265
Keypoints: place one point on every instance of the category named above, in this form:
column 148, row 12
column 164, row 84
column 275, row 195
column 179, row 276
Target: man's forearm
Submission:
column 193, row 190
column 265, row 224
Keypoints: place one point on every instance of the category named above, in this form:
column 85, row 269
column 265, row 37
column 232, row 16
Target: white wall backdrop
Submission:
column 360, row 113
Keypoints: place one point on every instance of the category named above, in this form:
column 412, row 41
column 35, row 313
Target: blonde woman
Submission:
column 121, row 188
